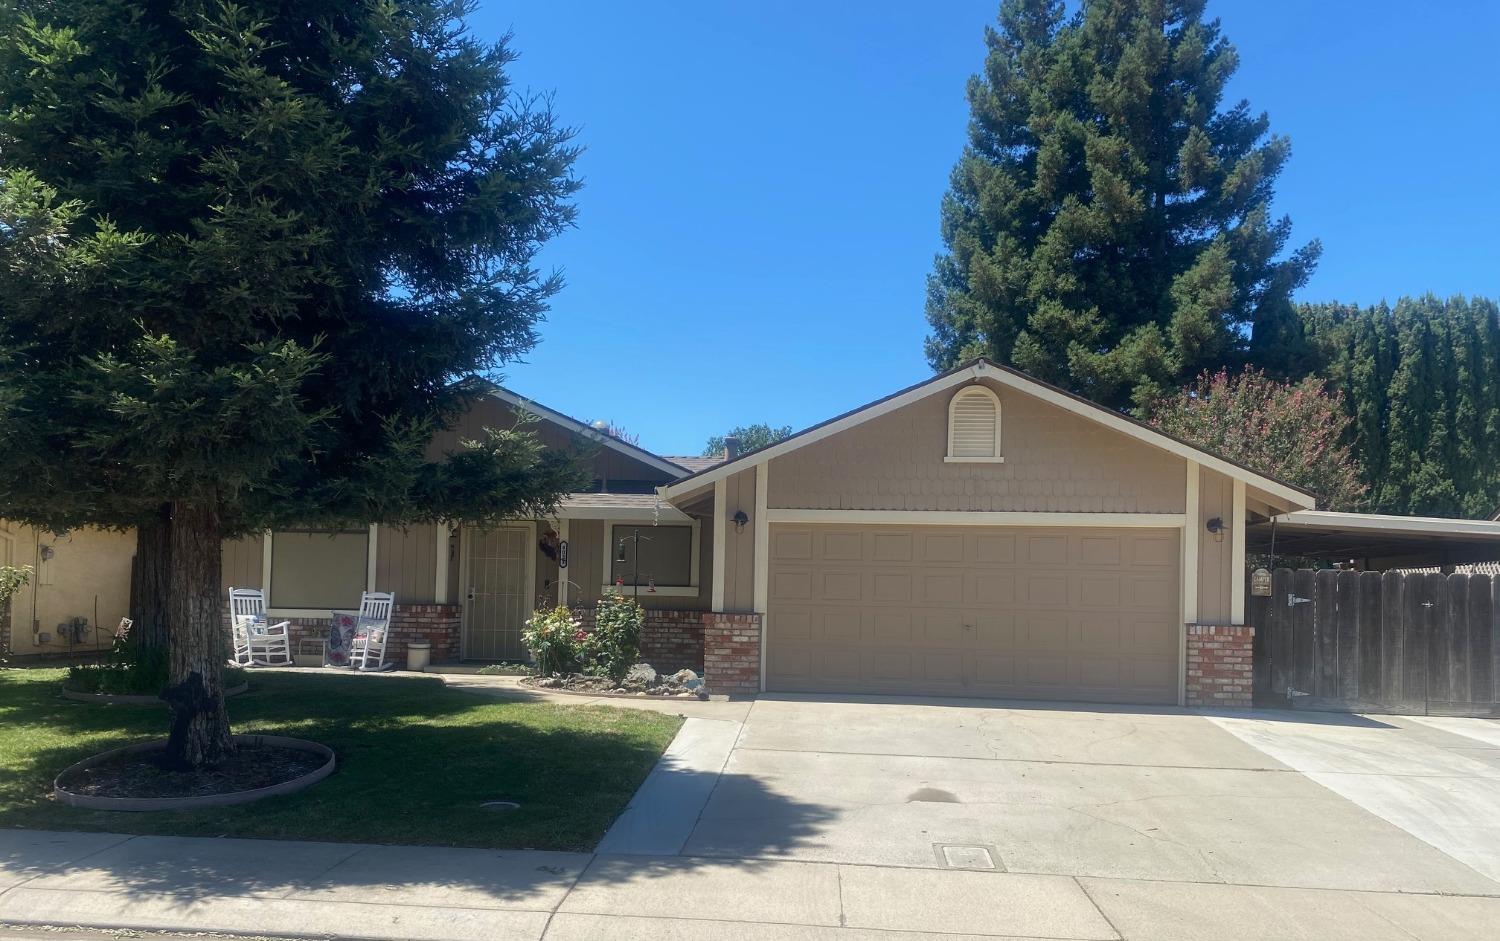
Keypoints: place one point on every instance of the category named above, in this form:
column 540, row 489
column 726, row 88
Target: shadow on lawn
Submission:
column 415, row 762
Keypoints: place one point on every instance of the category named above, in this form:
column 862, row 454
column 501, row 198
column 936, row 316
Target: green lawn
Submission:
column 415, row 759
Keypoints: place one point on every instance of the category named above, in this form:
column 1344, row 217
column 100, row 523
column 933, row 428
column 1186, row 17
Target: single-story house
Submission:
column 980, row 533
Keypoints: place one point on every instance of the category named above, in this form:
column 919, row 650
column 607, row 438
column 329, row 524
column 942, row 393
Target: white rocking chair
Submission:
column 255, row 641
column 372, row 631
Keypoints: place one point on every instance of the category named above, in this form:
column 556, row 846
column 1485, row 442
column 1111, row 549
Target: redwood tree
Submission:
column 1295, row 431
column 249, row 254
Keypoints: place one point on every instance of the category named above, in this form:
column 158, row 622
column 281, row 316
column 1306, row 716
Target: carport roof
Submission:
column 1388, row 540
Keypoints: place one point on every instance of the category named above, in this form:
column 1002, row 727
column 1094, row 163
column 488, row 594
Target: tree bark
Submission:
column 200, row 734
column 149, row 586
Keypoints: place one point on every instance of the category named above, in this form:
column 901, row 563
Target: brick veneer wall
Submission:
column 671, row 640
column 438, row 624
column 731, row 652
column 1220, row 665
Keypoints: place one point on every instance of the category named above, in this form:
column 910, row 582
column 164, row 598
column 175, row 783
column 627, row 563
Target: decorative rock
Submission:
column 642, row 674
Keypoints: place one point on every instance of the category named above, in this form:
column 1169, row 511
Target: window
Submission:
column 668, row 557
column 974, row 425
column 318, row 569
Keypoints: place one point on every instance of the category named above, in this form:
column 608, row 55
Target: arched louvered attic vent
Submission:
column 974, row 425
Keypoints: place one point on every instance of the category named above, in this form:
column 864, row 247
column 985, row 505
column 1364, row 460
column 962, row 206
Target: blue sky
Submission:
column 763, row 180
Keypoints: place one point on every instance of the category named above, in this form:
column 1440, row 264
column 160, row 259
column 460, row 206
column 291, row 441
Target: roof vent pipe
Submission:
column 731, row 447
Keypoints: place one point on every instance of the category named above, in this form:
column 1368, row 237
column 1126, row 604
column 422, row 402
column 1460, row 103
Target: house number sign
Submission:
column 1260, row 583
column 562, row 555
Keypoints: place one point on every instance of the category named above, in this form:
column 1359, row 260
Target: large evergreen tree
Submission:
column 250, row 254
column 1421, row 381
column 1108, row 226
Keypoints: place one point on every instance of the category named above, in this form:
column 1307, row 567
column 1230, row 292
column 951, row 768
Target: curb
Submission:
column 87, row 802
column 135, row 699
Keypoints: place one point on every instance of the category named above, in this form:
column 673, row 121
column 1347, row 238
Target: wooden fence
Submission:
column 1378, row 642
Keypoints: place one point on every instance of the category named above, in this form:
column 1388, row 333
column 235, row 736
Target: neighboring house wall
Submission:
column 1054, row 461
column 88, row 576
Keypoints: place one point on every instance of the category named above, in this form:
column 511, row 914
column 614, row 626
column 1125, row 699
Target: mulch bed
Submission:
column 139, row 774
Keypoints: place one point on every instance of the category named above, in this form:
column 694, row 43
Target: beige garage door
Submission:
column 1067, row 613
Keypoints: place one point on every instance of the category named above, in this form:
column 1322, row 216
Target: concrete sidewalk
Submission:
column 383, row 892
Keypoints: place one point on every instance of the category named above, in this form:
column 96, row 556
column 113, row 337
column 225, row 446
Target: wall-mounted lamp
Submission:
column 1217, row 527
column 739, row 519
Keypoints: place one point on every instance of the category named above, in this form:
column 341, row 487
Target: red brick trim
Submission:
column 731, row 652
column 1220, row 665
column 438, row 624
column 671, row 639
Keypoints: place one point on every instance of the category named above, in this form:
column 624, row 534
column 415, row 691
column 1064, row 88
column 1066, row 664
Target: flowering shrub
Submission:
column 559, row 643
column 556, row 640
column 615, row 644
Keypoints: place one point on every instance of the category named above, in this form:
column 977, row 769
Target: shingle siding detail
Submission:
column 1054, row 462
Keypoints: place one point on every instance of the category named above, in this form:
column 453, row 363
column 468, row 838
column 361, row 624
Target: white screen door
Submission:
column 497, row 599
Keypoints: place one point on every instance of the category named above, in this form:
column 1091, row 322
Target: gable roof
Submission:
column 587, row 431
column 983, row 368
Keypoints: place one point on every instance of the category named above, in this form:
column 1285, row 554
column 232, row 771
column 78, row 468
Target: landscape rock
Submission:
column 642, row 674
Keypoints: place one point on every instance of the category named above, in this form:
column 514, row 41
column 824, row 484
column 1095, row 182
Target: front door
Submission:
column 497, row 592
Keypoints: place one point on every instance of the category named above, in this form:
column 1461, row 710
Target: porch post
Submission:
column 1237, row 556
column 721, row 523
column 440, row 588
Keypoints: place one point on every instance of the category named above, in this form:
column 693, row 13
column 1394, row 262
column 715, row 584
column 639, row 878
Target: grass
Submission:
column 415, row 760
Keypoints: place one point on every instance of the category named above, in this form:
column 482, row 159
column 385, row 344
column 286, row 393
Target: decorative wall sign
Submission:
column 562, row 554
column 1260, row 583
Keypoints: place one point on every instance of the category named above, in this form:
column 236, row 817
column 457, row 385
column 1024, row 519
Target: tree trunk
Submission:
column 149, row 584
column 200, row 725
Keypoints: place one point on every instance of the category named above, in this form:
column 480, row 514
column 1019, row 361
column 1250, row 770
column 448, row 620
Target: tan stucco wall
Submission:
column 88, row 576
column 1215, row 498
column 1054, row 462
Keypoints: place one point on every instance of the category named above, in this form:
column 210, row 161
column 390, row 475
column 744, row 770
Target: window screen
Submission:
column 318, row 568
column 667, row 558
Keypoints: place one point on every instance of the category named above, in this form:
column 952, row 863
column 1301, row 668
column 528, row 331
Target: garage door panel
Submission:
column 990, row 588
column 999, row 549
column 1150, row 593
column 1099, row 591
column 837, row 626
column 1098, row 635
column 1046, row 550
column 792, row 544
column 892, row 547
column 1043, row 589
column 948, row 547
column 1011, row 612
column 843, row 547
column 891, row 627
column 1099, row 550
column 791, row 585
column 839, row 586
column 941, row 588
column 1042, row 632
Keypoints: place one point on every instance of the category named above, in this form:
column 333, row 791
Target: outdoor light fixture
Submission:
column 739, row 519
column 1217, row 527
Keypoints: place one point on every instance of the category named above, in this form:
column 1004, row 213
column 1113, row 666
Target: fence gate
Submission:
column 1378, row 642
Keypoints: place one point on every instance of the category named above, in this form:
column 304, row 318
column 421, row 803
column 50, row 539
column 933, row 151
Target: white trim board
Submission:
column 721, row 527
column 984, row 369
column 975, row 518
column 763, row 562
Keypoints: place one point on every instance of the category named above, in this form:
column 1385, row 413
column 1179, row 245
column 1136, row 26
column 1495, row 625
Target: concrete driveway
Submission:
column 1120, row 822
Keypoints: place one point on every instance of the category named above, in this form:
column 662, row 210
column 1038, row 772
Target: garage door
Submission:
column 1069, row 613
